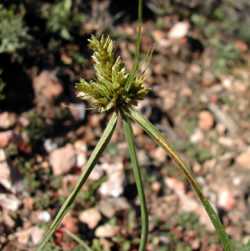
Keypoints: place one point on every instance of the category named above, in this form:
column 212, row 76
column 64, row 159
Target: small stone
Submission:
column 31, row 236
column 226, row 141
column 106, row 244
column 197, row 136
column 46, row 85
column 7, row 219
column 78, row 111
column 169, row 99
column 28, row 203
column 143, row 158
column 110, row 206
column 66, row 59
column 5, row 138
column 70, row 223
column 206, row 120
column 137, row 130
column 106, row 231
column 7, row 120
column 62, row 159
column 94, row 120
column 240, row 87
column 23, row 120
column 179, row 30
column 161, row 38
column 5, row 176
column 242, row 46
column 91, row 217
column 97, row 173
column 221, row 129
column 50, row 145
column 160, row 154
column 44, row 216
column 2, row 155
column 156, row 186
column 226, row 200
column 243, row 159
column 5, row 179
column 195, row 69
column 185, row 92
column 81, row 153
column 9, row 202
column 114, row 184
column 36, row 235
column 208, row 79
column 227, row 82
column 175, row 185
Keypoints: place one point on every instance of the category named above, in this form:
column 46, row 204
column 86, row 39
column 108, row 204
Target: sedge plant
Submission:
column 115, row 90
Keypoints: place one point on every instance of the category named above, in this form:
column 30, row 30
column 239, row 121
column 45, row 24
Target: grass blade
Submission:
column 139, row 184
column 160, row 139
column 89, row 167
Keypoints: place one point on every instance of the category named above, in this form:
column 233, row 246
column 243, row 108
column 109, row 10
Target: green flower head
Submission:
column 113, row 87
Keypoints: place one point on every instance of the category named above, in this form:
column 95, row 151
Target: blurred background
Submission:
column 200, row 98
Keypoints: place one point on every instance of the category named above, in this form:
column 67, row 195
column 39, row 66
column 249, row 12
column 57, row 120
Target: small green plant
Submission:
column 13, row 32
column 36, row 130
column 226, row 56
column 116, row 90
column 61, row 19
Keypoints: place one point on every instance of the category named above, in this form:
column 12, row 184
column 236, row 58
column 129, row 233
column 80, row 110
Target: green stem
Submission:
column 138, row 34
column 160, row 139
column 139, row 183
column 138, row 45
column 101, row 145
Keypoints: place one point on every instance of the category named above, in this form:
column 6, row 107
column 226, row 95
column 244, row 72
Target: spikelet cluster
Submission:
column 113, row 87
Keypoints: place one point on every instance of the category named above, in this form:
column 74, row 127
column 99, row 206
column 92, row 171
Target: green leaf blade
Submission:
column 160, row 140
column 101, row 145
column 139, row 183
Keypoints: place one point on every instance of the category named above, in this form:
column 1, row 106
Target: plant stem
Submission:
column 159, row 139
column 139, row 183
column 138, row 35
column 101, row 145
column 138, row 44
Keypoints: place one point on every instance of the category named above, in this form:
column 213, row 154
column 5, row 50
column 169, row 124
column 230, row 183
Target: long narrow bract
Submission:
column 160, row 139
column 101, row 145
column 138, row 180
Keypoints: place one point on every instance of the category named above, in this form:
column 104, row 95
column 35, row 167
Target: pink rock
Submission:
column 70, row 223
column 226, row 200
column 106, row 231
column 47, row 85
column 31, row 236
column 7, row 120
column 9, row 202
column 206, row 120
column 5, row 179
column 243, row 159
column 62, row 159
column 179, row 30
column 91, row 217
column 159, row 154
column 5, row 138
column 113, row 186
